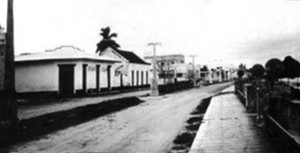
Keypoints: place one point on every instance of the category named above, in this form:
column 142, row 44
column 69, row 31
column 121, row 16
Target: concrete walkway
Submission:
column 227, row 128
column 27, row 112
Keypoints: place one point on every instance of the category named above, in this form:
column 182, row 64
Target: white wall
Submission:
column 91, row 75
column 36, row 77
column 138, row 67
column 44, row 76
column 127, row 79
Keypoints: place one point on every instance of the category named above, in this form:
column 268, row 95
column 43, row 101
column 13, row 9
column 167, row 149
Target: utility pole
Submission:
column 193, row 59
column 8, row 116
column 154, row 88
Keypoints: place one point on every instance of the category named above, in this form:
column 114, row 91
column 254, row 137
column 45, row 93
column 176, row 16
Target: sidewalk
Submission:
column 226, row 128
column 26, row 112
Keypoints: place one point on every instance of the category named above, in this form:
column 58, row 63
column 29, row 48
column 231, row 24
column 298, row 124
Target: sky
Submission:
column 219, row 32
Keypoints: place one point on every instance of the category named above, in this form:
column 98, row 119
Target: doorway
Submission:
column 66, row 79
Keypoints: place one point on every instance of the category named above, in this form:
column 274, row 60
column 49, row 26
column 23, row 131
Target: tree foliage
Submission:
column 291, row 67
column 257, row 71
column 165, row 70
column 204, row 68
column 240, row 73
column 242, row 67
column 107, row 40
column 204, row 71
column 274, row 69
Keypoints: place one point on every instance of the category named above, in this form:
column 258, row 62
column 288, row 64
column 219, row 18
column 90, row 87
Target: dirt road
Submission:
column 148, row 127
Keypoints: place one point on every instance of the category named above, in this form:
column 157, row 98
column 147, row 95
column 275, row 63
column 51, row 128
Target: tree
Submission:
column 204, row 71
column 257, row 71
column 290, row 67
column 240, row 73
column 242, row 67
column 165, row 70
column 274, row 69
column 107, row 40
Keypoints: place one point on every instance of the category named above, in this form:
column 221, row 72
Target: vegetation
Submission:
column 291, row 67
column 240, row 73
column 107, row 40
column 266, row 90
column 257, row 71
column 274, row 69
column 165, row 70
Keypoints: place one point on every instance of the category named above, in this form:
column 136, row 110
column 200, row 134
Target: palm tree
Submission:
column 107, row 40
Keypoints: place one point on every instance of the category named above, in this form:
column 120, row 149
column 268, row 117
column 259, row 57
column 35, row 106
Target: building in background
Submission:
column 171, row 68
column 65, row 70
column 172, row 59
column 132, row 71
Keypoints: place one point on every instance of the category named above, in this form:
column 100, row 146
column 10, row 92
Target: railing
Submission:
column 273, row 104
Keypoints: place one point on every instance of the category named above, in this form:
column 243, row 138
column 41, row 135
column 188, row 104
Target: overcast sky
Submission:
column 218, row 31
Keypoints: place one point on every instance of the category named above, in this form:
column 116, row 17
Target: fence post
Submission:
column 246, row 96
column 257, row 102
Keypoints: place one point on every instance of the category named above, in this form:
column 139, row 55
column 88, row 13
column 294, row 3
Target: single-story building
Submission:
column 132, row 71
column 65, row 70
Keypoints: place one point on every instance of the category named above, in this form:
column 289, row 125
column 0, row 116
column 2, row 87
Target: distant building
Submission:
column 64, row 70
column 2, row 57
column 132, row 71
column 171, row 68
column 174, row 58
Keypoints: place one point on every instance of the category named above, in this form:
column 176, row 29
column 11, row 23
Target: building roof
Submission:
column 170, row 55
column 131, row 57
column 62, row 53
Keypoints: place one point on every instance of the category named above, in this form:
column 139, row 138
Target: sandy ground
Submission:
column 148, row 127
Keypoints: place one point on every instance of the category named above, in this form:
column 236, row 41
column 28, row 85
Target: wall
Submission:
column 127, row 77
column 90, row 74
column 36, row 77
column 44, row 76
column 115, row 81
column 140, row 68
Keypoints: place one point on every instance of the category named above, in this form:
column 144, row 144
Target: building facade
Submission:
column 162, row 59
column 132, row 71
column 170, row 68
column 64, row 70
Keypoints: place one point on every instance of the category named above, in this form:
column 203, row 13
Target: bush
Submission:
column 240, row 73
column 257, row 71
column 274, row 69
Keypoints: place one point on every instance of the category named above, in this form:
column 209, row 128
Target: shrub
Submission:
column 257, row 71
column 274, row 69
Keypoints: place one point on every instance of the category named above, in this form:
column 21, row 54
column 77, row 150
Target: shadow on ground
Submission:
column 35, row 128
column 184, row 140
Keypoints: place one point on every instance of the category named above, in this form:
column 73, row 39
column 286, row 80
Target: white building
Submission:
column 64, row 70
column 170, row 68
column 132, row 71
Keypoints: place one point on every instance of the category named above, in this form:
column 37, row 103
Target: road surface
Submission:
column 149, row 127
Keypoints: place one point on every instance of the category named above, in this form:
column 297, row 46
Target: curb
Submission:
column 283, row 133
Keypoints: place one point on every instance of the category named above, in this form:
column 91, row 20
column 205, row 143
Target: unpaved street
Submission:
column 148, row 127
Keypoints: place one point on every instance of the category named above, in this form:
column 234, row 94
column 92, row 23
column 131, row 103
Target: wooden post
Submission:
column 154, row 86
column 257, row 101
column 9, row 76
column 246, row 96
column 8, row 105
column 109, row 77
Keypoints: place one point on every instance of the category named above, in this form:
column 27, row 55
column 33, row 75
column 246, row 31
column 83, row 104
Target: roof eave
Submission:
column 67, row 59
